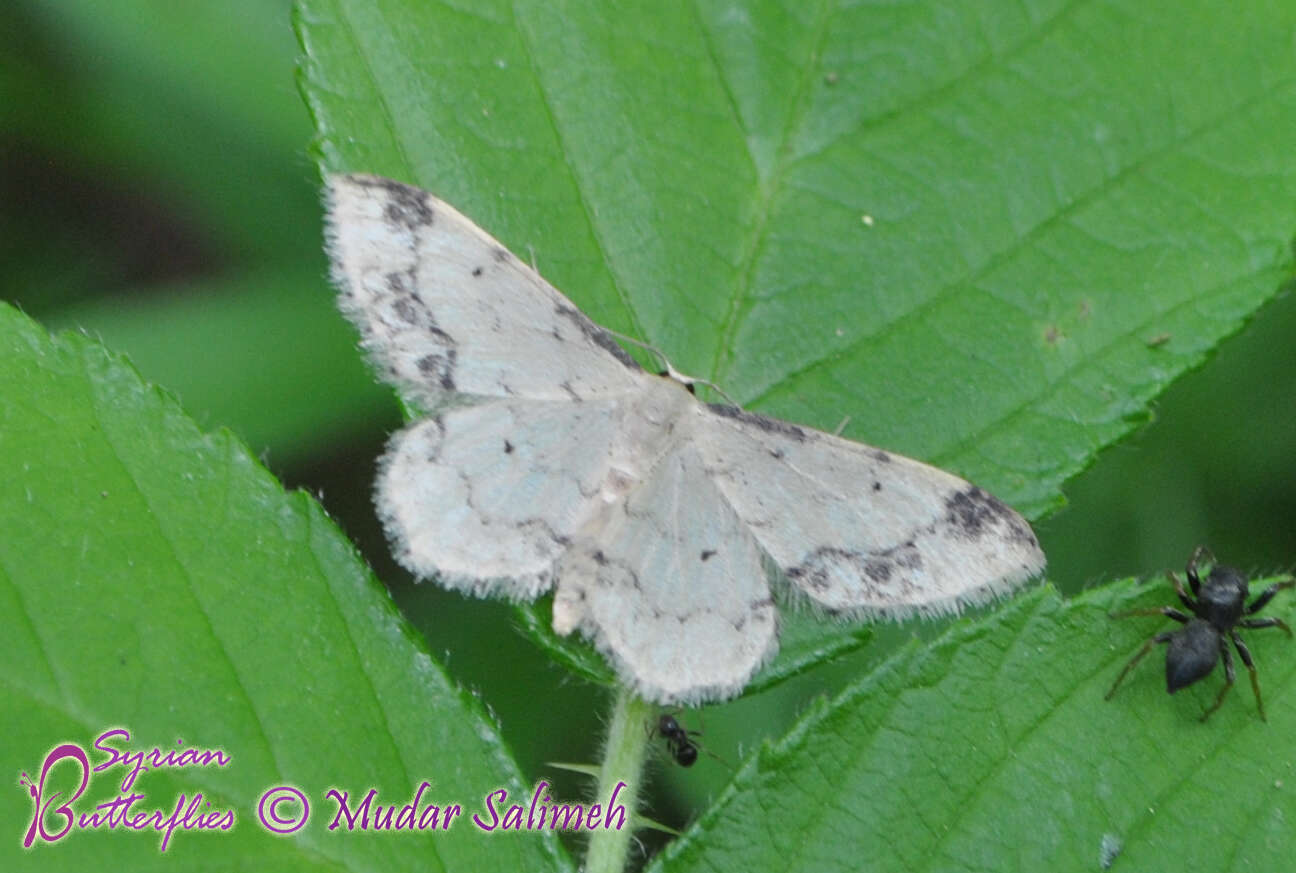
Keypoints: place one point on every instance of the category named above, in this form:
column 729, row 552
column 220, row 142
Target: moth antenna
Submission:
column 648, row 347
column 682, row 378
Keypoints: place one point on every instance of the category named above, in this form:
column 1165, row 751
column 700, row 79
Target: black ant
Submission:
column 1218, row 608
column 678, row 741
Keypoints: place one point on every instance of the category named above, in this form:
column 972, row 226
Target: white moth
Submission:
column 550, row 461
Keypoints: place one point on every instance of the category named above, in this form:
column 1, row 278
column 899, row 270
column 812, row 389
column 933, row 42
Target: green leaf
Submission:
column 156, row 578
column 249, row 353
column 191, row 101
column 986, row 235
column 993, row 750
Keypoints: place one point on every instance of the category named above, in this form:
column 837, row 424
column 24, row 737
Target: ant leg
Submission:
column 1265, row 622
column 1229, row 676
column 1255, row 680
column 1197, row 555
column 701, row 726
column 1167, row 611
column 1183, row 595
column 1147, row 647
column 1268, row 594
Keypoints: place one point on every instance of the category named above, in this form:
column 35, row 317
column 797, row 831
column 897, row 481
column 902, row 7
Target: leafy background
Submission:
column 1071, row 206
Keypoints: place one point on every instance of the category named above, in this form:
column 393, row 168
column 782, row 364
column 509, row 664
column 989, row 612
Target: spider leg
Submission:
column 1167, row 611
column 1265, row 622
column 1245, row 653
column 1230, row 676
column 1268, row 594
column 1183, row 595
column 1147, row 647
column 1197, row 555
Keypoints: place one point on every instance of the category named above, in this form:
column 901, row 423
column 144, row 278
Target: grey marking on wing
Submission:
column 406, row 205
column 974, row 513
column 876, row 566
column 534, row 529
column 396, row 283
column 758, row 611
column 406, row 310
column 434, row 455
column 770, row 425
column 439, row 368
column 596, row 334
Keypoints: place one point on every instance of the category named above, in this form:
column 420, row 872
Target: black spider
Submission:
column 682, row 748
column 1218, row 608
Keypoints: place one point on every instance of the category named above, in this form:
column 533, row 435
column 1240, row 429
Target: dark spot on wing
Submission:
column 758, row 612
column 809, row 574
column 439, row 368
column 776, row 454
column 973, row 513
column 877, row 569
column 599, row 557
column 902, row 557
column 406, row 310
column 508, row 447
column 765, row 423
column 406, row 205
column 877, row 486
column 596, row 334
column 708, row 554
column 881, row 456
column 892, row 565
column 477, row 271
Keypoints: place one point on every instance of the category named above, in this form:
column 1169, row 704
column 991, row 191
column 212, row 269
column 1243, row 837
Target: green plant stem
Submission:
column 623, row 759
